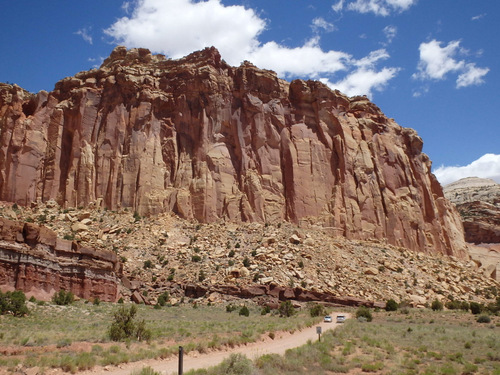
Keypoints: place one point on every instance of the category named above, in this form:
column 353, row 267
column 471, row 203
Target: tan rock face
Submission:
column 35, row 260
column 209, row 141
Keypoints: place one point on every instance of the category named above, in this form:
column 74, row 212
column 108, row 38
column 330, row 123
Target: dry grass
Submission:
column 74, row 337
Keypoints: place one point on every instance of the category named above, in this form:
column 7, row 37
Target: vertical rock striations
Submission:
column 209, row 141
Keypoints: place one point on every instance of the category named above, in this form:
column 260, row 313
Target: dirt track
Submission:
column 279, row 345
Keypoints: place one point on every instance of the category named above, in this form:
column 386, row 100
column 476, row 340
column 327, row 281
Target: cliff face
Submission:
column 35, row 260
column 209, row 142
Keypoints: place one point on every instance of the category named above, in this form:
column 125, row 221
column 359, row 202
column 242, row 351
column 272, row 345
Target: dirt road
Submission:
column 279, row 345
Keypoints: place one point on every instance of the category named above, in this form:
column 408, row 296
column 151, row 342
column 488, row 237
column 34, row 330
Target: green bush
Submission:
column 437, row 305
column 265, row 310
column 364, row 312
column 231, row 308
column 483, row 319
column 317, row 310
column 244, row 311
column 391, row 305
column 63, row 298
column 13, row 303
column 246, row 262
column 163, row 298
column 148, row 264
column 475, row 308
column 124, row 326
column 286, row 309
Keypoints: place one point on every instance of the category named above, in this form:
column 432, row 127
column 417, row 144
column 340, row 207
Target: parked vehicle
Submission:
column 340, row 318
column 327, row 319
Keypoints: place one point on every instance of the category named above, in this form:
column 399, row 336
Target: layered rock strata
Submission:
column 213, row 142
column 35, row 260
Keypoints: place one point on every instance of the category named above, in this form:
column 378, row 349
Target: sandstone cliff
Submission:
column 35, row 260
column 478, row 202
column 213, row 142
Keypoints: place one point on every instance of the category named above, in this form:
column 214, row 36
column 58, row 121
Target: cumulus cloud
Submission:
column 179, row 27
column 380, row 7
column 437, row 61
column 365, row 78
column 487, row 166
column 472, row 76
column 85, row 34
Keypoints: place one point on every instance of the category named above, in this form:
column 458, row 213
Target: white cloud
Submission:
column 179, row 27
column 380, row 7
column 487, row 166
column 337, row 7
column 436, row 62
column 478, row 17
column 85, row 34
column 320, row 23
column 472, row 76
column 365, row 78
column 390, row 33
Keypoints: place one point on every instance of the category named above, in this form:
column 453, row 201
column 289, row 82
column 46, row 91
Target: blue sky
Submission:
column 431, row 65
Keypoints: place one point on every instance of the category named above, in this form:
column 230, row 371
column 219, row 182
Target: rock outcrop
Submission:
column 35, row 260
column 478, row 202
column 208, row 141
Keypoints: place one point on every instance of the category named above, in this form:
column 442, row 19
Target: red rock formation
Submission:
column 34, row 260
column 209, row 141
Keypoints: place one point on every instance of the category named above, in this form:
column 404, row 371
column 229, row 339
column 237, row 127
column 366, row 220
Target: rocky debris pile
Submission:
column 213, row 263
column 210, row 142
column 34, row 259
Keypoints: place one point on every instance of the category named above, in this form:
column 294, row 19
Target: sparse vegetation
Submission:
column 286, row 309
column 63, row 298
column 364, row 313
column 124, row 326
column 13, row 303
column 391, row 305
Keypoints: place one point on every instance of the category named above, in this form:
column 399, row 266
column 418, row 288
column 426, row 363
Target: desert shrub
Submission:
column 145, row 371
column 437, row 305
column 317, row 310
column 244, row 311
column 246, row 262
column 231, row 254
column 148, row 264
column 453, row 305
column 265, row 310
column 391, row 305
column 163, row 298
column 236, row 364
column 196, row 258
column 13, row 303
column 364, row 312
column 96, row 301
column 202, row 276
column 286, row 309
column 124, row 326
column 475, row 308
column 63, row 298
column 231, row 308
column 464, row 305
column 483, row 319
